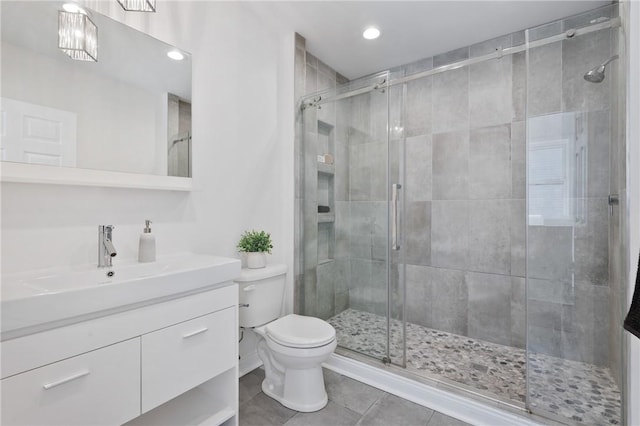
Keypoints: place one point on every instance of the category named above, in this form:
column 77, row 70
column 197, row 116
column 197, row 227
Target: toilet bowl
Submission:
column 292, row 360
column 292, row 348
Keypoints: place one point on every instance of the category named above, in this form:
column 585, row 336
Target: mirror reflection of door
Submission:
column 178, row 137
column 36, row 134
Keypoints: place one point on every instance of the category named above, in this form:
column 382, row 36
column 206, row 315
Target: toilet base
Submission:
column 293, row 375
column 303, row 391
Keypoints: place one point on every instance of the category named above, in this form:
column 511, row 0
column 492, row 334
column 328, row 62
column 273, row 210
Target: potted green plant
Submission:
column 256, row 244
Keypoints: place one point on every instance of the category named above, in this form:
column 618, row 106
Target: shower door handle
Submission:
column 394, row 216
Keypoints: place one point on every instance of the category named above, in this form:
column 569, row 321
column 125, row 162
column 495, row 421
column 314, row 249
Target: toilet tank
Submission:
column 263, row 290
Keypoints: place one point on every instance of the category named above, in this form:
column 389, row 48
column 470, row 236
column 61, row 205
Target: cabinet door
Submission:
column 181, row 357
column 101, row 387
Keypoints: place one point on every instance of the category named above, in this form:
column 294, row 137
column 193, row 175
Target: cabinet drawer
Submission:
column 180, row 357
column 101, row 387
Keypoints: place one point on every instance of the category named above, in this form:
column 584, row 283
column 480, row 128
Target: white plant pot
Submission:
column 256, row 260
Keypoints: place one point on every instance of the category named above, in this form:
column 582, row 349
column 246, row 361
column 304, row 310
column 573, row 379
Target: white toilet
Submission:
column 292, row 348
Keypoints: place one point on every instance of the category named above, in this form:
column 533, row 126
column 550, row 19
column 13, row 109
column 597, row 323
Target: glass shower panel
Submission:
column 462, row 251
column 569, row 299
column 346, row 217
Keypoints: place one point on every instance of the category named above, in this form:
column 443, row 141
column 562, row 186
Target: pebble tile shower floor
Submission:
column 578, row 391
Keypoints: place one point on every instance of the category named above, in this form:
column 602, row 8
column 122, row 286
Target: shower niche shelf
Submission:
column 326, row 218
column 326, row 169
column 325, row 194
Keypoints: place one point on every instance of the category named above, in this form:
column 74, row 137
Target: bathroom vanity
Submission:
column 168, row 358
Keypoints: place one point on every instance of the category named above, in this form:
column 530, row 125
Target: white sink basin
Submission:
column 42, row 299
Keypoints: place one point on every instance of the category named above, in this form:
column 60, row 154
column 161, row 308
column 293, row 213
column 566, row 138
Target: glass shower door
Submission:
column 346, row 215
column 573, row 315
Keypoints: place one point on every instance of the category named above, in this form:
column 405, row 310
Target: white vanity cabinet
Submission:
column 170, row 362
column 101, row 387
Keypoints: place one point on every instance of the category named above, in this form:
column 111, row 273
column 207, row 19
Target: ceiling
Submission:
column 411, row 30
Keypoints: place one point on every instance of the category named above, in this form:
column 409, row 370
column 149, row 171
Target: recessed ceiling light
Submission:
column 175, row 55
column 73, row 8
column 371, row 33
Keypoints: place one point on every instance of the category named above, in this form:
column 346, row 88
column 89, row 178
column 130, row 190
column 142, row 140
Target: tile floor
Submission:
column 574, row 390
column 350, row 403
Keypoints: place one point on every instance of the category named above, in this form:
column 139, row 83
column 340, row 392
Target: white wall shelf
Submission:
column 35, row 173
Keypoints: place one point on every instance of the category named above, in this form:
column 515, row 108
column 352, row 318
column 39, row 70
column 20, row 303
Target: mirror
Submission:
column 128, row 112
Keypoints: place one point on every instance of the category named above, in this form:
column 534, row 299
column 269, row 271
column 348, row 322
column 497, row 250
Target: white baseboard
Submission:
column 464, row 409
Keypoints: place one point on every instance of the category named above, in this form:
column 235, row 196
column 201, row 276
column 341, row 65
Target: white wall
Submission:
column 243, row 158
column 633, row 200
column 116, row 122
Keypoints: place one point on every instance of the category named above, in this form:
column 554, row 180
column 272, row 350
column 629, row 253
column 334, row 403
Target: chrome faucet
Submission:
column 106, row 250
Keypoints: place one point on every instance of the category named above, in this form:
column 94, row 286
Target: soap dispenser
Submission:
column 147, row 247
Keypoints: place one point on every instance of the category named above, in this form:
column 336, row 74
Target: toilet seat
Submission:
column 297, row 331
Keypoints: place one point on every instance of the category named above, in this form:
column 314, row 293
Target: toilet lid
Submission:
column 301, row 332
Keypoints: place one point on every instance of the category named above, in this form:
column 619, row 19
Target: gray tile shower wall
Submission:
column 457, row 142
column 322, row 247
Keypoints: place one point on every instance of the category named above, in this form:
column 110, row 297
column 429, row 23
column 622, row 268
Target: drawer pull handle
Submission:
column 71, row 378
column 195, row 333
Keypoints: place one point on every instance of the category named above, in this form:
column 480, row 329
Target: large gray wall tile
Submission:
column 518, row 313
column 417, row 233
column 518, row 230
column 490, row 162
column 360, row 293
column 519, row 85
column 379, row 289
column 451, row 100
column 325, row 290
column 418, row 168
column 378, row 114
column 311, row 81
column 360, row 119
column 544, row 340
column 310, row 223
column 546, row 315
column 341, row 178
column 599, row 144
column 518, row 159
column 579, row 55
column 418, row 288
column 586, row 325
column 418, row 107
column 310, row 291
column 378, row 170
column 489, row 236
column 544, row 79
column 550, row 252
column 450, row 234
column 448, row 300
column 368, row 171
column 489, row 307
column 490, row 96
column 450, row 165
column 592, row 244
column 342, row 226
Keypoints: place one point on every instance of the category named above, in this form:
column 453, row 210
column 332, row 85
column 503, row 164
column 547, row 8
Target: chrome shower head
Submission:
column 596, row 75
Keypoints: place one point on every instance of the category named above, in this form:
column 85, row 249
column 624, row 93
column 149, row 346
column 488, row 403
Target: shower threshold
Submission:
column 559, row 388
